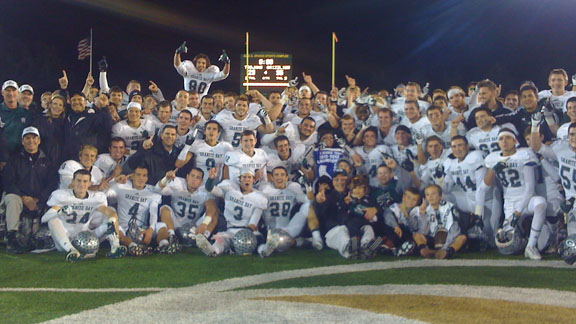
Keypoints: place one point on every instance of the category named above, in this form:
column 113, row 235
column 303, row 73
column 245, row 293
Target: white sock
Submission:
column 59, row 234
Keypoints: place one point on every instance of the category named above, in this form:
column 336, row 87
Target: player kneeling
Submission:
column 192, row 211
column 438, row 230
column 77, row 210
column 243, row 206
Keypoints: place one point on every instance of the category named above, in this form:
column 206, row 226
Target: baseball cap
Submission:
column 134, row 105
column 403, row 128
column 30, row 130
column 338, row 172
column 134, row 93
column 26, row 87
column 10, row 83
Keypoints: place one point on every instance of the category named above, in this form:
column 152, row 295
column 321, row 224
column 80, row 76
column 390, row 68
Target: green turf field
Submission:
column 191, row 267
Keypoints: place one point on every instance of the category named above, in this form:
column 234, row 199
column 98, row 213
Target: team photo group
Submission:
column 407, row 171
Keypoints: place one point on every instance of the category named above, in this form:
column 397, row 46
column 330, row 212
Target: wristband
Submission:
column 207, row 220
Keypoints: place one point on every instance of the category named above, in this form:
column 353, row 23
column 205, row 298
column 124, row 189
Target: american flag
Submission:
column 84, row 48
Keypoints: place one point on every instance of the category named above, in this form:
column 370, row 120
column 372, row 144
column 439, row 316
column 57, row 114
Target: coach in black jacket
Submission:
column 158, row 155
column 29, row 179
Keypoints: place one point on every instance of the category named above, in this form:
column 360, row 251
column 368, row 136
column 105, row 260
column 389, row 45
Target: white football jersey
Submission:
column 387, row 139
column 238, row 160
column 417, row 126
column 188, row 207
column 208, row 157
column 559, row 102
column 566, row 157
column 512, row 176
column 428, row 131
column 106, row 163
column 199, row 81
column 443, row 218
column 398, row 106
column 68, row 168
column 487, row 142
column 320, row 118
column 181, row 139
column 140, row 205
column 463, row 173
column 373, row 160
column 562, row 132
column 428, row 171
column 240, row 210
column 292, row 164
column 133, row 136
column 176, row 113
column 232, row 128
column 80, row 210
column 280, row 204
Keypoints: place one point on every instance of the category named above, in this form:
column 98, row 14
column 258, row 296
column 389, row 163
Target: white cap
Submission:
column 30, row 130
column 244, row 171
column 134, row 105
column 26, row 87
column 10, row 83
column 454, row 91
column 304, row 87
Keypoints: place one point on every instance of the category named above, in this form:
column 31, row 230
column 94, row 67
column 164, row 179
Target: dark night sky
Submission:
column 381, row 43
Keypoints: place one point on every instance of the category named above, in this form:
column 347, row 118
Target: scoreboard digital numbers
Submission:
column 266, row 71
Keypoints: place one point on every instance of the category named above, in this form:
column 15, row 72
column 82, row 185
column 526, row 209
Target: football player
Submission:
column 243, row 207
column 78, row 209
column 234, row 124
column 516, row 168
column 209, row 153
column 133, row 130
column 198, row 74
column 248, row 157
column 137, row 211
column 283, row 198
column 87, row 158
column 111, row 163
column 190, row 204
column 484, row 137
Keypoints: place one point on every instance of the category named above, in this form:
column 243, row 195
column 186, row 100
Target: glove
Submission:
column 65, row 211
column 145, row 134
column 262, row 113
column 536, row 119
column 363, row 99
column 323, row 109
column 439, row 172
column 182, row 48
column 425, row 90
column 342, row 97
column 548, row 112
column 574, row 80
column 367, row 123
column 191, row 138
column 340, row 141
column 103, row 64
column 500, row 166
column 418, row 138
column 224, row 57
column 293, row 83
column 567, row 205
column 407, row 165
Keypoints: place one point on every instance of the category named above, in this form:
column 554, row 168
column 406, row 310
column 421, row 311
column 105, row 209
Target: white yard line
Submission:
column 214, row 302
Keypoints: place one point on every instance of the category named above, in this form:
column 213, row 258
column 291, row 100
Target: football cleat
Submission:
column 354, row 248
column 271, row 245
column 74, row 256
column 407, row 248
column 135, row 250
column 117, row 253
column 318, row 245
column 172, row 247
column 205, row 246
column 370, row 250
column 532, row 253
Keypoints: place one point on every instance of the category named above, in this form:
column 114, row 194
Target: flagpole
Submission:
column 333, row 59
column 247, row 56
column 91, row 45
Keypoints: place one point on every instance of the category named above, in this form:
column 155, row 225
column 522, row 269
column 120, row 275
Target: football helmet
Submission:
column 244, row 242
column 42, row 239
column 86, row 242
column 284, row 239
column 187, row 235
column 567, row 249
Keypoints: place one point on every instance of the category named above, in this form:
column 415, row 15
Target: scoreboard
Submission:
column 266, row 71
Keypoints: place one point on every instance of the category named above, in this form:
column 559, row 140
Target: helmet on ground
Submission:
column 284, row 239
column 567, row 249
column 86, row 242
column 244, row 242
column 187, row 235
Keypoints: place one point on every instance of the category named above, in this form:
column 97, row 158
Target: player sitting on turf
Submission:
column 363, row 216
column 438, row 230
column 137, row 211
column 283, row 197
column 243, row 206
column 190, row 204
column 75, row 210
column 403, row 218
